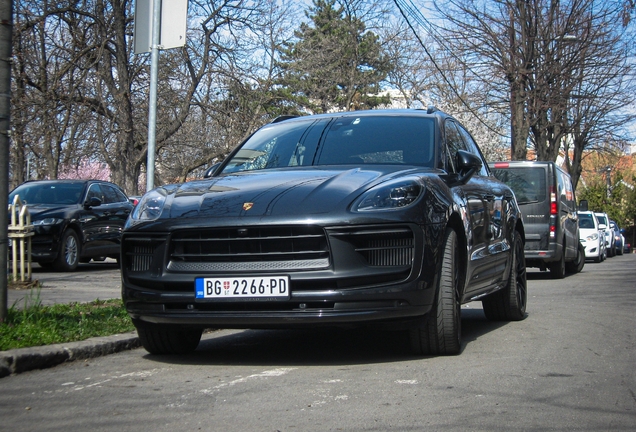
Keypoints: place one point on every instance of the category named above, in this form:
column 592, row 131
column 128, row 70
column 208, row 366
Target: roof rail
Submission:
column 283, row 118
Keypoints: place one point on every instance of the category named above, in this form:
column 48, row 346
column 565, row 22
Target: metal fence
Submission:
column 20, row 232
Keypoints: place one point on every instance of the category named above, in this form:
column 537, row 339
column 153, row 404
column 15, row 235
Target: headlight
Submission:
column 592, row 237
column 150, row 206
column 47, row 221
column 392, row 195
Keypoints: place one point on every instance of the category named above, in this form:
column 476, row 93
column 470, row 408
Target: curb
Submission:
column 41, row 357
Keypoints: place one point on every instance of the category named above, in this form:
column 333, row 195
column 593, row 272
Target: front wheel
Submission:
column 509, row 304
column 167, row 339
column 440, row 333
column 68, row 257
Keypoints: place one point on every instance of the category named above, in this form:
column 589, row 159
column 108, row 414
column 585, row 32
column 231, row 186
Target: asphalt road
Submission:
column 570, row 366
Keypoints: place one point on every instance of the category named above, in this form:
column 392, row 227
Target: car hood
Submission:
column 285, row 192
column 42, row 211
column 584, row 232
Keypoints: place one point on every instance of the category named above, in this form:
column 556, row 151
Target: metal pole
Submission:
column 152, row 100
column 6, row 28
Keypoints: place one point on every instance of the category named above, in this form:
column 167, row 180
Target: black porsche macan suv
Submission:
column 358, row 218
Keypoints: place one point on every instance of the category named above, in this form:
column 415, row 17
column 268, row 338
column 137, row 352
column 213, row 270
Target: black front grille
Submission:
column 140, row 253
column 252, row 249
column 381, row 247
column 141, row 257
column 388, row 251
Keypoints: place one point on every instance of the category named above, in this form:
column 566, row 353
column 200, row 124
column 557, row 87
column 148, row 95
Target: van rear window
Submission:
column 528, row 184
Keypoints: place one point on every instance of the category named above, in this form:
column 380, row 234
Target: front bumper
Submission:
column 45, row 243
column 592, row 249
column 300, row 311
column 355, row 282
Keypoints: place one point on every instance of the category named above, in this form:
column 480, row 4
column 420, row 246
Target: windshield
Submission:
column 348, row 140
column 48, row 193
column 586, row 221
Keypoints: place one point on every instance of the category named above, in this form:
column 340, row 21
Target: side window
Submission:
column 110, row 197
column 95, row 192
column 113, row 194
column 121, row 197
column 454, row 142
column 474, row 148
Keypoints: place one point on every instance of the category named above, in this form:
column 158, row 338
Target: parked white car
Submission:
column 604, row 224
column 592, row 236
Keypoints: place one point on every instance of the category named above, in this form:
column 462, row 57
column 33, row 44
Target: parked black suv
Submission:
column 548, row 206
column 75, row 220
column 369, row 218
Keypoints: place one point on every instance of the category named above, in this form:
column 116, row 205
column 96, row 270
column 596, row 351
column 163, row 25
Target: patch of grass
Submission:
column 33, row 324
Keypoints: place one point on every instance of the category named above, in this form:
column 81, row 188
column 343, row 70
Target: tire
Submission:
column 577, row 265
column 557, row 269
column 509, row 303
column 68, row 256
column 440, row 332
column 167, row 339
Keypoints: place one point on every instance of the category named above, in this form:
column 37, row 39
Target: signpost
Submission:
column 158, row 25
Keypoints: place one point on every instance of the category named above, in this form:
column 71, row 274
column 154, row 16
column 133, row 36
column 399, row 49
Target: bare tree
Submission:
column 80, row 86
column 46, row 124
column 237, row 92
column 524, row 54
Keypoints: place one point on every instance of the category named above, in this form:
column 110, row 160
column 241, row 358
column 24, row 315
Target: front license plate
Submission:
column 252, row 288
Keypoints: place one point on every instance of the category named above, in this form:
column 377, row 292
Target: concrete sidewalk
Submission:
column 89, row 282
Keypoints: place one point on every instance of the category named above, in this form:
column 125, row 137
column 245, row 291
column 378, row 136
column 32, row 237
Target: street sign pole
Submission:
column 157, row 27
column 152, row 103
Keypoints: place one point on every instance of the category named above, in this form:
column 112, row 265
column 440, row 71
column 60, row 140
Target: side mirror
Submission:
column 467, row 165
column 210, row 171
column 93, row 202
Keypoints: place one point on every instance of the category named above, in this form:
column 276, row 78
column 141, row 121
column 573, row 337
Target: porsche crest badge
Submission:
column 247, row 206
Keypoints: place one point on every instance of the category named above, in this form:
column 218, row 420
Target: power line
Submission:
column 417, row 16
